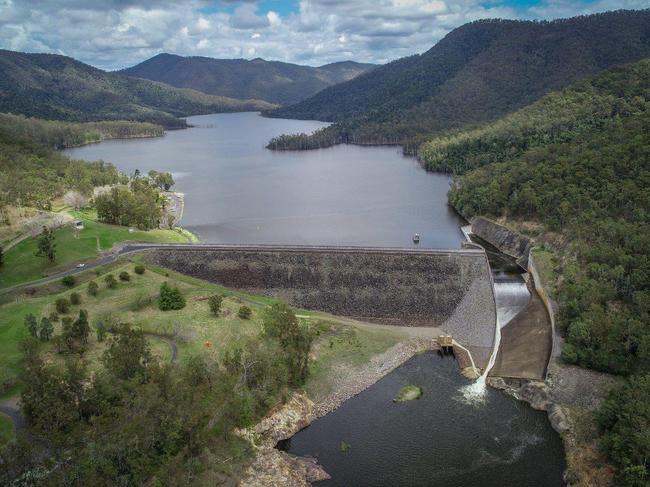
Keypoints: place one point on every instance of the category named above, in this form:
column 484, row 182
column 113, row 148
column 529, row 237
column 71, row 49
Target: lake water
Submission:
column 236, row 191
column 437, row 440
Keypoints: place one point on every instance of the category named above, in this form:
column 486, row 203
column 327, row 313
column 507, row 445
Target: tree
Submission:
column 75, row 299
column 93, row 288
column 244, row 312
column 280, row 323
column 80, row 328
column 139, row 269
column 170, row 298
column 68, row 281
column 125, row 276
column 47, row 245
column 110, row 281
column 75, row 199
column 215, row 304
column 128, row 353
column 31, row 324
column 624, row 420
column 47, row 330
column 62, row 305
column 2, row 256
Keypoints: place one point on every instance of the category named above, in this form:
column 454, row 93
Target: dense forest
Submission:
column 591, row 186
column 477, row 73
column 273, row 81
column 56, row 87
column 558, row 117
column 33, row 173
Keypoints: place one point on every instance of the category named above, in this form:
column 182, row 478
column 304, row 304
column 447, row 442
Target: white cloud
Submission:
column 116, row 33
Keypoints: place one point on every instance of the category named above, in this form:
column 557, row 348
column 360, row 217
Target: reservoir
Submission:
column 237, row 191
column 436, row 440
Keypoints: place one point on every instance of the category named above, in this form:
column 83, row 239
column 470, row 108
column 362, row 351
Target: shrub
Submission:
column 244, row 312
column 110, row 281
column 75, row 298
column 62, row 305
column 68, row 281
column 170, row 298
column 54, row 317
column 139, row 269
column 100, row 328
column 93, row 288
column 125, row 276
column 215, row 304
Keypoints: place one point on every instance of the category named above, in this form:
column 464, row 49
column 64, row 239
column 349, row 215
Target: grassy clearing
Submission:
column 6, row 429
column 194, row 329
column 22, row 265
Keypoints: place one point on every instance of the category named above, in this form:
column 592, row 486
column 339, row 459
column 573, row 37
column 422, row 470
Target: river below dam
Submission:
column 237, row 191
column 437, row 440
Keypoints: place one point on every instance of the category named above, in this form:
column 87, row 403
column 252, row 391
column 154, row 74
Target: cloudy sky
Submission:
column 112, row 34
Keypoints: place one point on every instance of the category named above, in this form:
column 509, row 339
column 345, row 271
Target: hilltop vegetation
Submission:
column 273, row 81
column 478, row 72
column 56, row 87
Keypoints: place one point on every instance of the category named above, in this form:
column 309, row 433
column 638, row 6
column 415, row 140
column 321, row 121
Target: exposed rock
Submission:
column 538, row 395
column 283, row 423
column 509, row 242
column 274, row 468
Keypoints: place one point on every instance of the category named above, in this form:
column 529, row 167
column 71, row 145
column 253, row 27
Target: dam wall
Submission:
column 446, row 289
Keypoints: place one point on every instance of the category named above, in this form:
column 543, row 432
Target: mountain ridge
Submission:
column 477, row 73
column 56, row 87
column 274, row 81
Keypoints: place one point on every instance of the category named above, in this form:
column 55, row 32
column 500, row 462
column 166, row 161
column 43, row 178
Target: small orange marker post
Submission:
column 207, row 344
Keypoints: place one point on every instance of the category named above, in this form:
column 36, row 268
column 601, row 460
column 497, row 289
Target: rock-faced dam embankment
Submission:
column 446, row 289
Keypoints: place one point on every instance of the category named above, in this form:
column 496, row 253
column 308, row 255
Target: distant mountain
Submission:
column 273, row 81
column 56, row 87
column 478, row 72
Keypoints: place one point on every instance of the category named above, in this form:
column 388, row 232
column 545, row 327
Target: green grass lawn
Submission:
column 193, row 328
column 6, row 429
column 22, row 265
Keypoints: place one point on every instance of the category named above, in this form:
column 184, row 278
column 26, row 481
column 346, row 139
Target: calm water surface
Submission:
column 236, row 191
column 437, row 440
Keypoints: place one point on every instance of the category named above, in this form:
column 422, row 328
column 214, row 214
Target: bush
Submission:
column 215, row 304
column 93, row 288
column 139, row 269
column 244, row 312
column 62, row 305
column 170, row 298
column 75, row 298
column 110, row 281
column 68, row 281
column 125, row 276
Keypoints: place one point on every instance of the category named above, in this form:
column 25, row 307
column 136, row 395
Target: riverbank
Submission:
column 271, row 466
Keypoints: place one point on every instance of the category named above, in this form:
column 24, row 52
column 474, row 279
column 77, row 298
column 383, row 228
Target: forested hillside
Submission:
column 558, row 117
column 273, row 81
column 59, row 88
column 577, row 165
column 478, row 72
column 32, row 173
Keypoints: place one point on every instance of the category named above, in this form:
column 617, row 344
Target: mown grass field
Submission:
column 194, row 329
column 22, row 265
